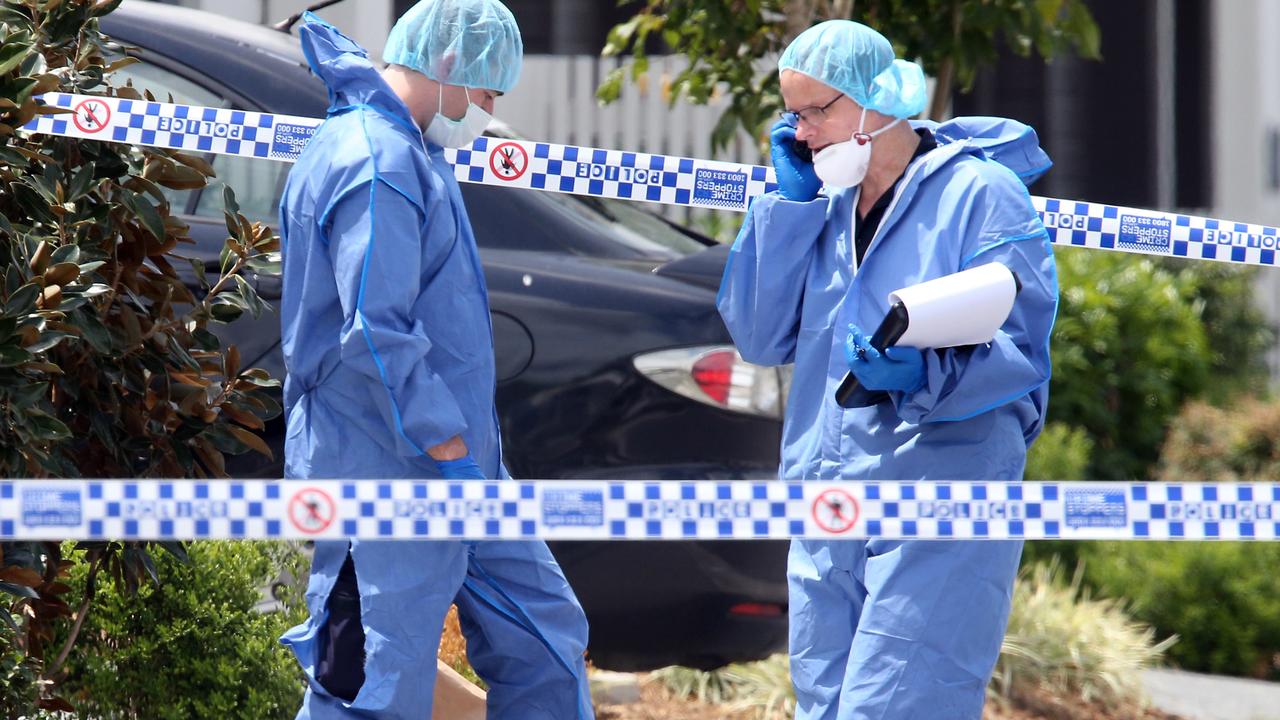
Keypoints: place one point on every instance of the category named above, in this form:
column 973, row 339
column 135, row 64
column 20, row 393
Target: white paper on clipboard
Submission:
column 965, row 308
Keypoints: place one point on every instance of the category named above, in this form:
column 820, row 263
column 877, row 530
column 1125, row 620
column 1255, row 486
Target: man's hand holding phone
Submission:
column 793, row 164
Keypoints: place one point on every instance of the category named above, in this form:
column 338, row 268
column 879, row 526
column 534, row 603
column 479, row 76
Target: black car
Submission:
column 612, row 360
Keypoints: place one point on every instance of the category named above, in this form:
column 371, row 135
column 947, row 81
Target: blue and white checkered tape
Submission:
column 635, row 510
column 623, row 175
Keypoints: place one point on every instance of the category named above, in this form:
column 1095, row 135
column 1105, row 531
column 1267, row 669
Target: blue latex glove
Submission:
column 797, row 179
column 898, row 368
column 464, row 468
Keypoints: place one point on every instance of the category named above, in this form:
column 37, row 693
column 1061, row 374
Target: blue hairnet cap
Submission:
column 480, row 36
column 859, row 62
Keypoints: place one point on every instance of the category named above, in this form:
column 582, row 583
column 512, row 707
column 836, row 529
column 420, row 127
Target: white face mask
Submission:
column 845, row 164
column 450, row 133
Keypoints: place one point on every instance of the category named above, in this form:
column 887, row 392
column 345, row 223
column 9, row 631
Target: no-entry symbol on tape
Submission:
column 508, row 161
column 311, row 510
column 92, row 116
column 835, row 511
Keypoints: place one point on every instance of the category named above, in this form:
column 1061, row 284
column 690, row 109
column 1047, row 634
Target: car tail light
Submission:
column 717, row 375
column 751, row 609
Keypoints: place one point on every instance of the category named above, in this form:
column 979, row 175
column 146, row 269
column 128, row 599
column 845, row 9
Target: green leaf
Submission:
column 266, row 263
column 225, row 310
column 181, row 355
column 14, row 50
column 92, row 329
column 65, row 254
column 30, row 395
column 271, row 408
column 7, row 617
column 146, row 214
column 30, row 201
column 226, row 258
column 47, row 342
column 47, row 427
column 176, row 549
column 249, row 297
column 23, row 301
column 81, row 182
column 206, row 340
column 197, row 266
column 229, row 202
column 224, row 441
column 611, row 88
column 72, row 302
column 10, row 356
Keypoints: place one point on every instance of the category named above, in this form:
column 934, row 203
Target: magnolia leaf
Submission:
column 13, row 52
column 266, row 264
column 187, row 378
column 226, row 308
column 147, row 214
column 18, row 590
column 46, row 426
column 253, row 441
column 47, row 342
column 123, row 62
column 23, row 301
column 197, row 163
column 243, row 417
column 229, row 202
column 211, row 456
column 10, row 356
column 66, row 254
column 231, row 362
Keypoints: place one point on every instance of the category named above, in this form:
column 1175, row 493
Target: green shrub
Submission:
column 1060, row 453
column 1239, row 444
column 1129, row 349
column 192, row 647
column 1239, row 333
column 19, row 675
column 1222, row 599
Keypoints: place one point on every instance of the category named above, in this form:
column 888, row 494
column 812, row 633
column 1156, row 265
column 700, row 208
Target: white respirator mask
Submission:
column 450, row 133
column 845, row 164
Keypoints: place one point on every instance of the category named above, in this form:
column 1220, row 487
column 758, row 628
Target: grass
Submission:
column 763, row 687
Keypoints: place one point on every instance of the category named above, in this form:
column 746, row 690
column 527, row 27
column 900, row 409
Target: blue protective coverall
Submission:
column 389, row 350
column 891, row 630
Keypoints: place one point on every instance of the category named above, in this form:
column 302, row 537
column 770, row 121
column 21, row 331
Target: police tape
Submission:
column 622, row 175
column 635, row 510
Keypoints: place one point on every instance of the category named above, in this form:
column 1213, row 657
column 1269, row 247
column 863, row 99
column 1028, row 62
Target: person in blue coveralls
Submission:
column 389, row 351
column 892, row 630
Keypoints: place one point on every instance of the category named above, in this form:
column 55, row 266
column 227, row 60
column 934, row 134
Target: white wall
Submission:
column 1246, row 99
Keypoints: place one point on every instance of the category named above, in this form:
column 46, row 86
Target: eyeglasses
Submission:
column 813, row 115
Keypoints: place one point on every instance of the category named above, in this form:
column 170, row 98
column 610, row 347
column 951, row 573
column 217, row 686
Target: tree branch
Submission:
column 81, row 613
column 942, row 90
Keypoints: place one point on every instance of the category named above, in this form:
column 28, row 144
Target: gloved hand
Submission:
column 898, row 368
column 464, row 468
column 797, row 179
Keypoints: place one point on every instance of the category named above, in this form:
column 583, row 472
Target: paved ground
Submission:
column 1205, row 697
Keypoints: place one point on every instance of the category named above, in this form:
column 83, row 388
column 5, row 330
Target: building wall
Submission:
column 1246, row 146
